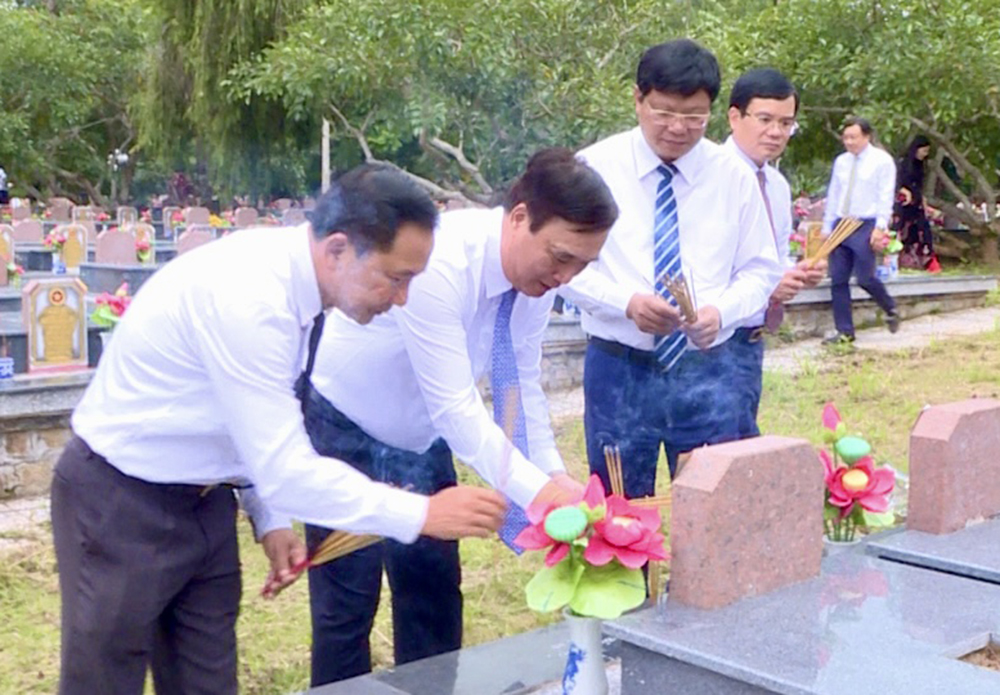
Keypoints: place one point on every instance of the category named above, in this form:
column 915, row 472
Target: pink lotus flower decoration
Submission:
column 630, row 534
column 534, row 536
column 861, row 484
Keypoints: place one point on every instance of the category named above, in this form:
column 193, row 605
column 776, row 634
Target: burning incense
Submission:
column 336, row 545
column 613, row 459
column 845, row 228
column 678, row 288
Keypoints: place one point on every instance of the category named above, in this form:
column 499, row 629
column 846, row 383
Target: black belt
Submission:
column 644, row 358
column 173, row 488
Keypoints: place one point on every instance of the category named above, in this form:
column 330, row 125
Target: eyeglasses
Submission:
column 766, row 120
column 691, row 121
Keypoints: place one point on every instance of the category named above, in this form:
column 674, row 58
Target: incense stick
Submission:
column 845, row 228
column 336, row 545
column 656, row 501
column 613, row 459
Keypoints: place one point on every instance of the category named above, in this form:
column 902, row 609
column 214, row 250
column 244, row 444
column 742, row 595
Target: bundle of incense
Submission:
column 845, row 228
column 657, row 501
column 678, row 288
column 653, row 582
column 336, row 545
column 613, row 459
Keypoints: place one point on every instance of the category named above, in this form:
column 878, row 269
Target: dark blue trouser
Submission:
column 708, row 397
column 855, row 254
column 425, row 577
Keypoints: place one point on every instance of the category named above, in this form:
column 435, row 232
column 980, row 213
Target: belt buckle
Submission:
column 207, row 489
column 756, row 335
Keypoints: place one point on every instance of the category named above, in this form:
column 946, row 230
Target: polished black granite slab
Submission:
column 865, row 626
column 972, row 552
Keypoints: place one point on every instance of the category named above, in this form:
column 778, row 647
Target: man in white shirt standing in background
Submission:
column 762, row 109
column 194, row 397
column 687, row 206
column 398, row 397
column 863, row 186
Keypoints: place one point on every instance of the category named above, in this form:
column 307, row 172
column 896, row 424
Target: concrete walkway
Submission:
column 25, row 515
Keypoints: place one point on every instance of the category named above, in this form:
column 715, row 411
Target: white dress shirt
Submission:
column 197, row 387
column 727, row 249
column 410, row 375
column 779, row 196
column 874, row 187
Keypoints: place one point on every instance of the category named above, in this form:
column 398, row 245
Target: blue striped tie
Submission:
column 504, row 384
column 667, row 261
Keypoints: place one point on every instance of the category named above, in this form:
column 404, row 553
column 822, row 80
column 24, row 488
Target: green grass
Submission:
column 878, row 394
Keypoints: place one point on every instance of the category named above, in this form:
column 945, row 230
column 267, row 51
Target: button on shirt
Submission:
column 873, row 191
column 779, row 193
column 409, row 376
column 727, row 248
column 197, row 388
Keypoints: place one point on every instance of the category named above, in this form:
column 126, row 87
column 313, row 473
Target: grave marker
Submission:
column 54, row 313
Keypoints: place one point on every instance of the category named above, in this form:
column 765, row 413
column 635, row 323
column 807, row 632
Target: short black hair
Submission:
column 681, row 66
column 761, row 83
column 369, row 204
column 863, row 123
column 558, row 184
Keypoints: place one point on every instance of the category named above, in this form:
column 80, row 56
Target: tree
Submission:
column 66, row 78
column 458, row 94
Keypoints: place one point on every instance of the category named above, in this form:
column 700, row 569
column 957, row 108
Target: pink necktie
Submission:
column 775, row 313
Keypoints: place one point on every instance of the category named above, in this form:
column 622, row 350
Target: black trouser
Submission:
column 149, row 576
column 707, row 397
column 425, row 576
column 855, row 255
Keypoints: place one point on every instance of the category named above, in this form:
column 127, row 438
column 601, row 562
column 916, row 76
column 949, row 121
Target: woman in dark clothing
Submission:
column 912, row 227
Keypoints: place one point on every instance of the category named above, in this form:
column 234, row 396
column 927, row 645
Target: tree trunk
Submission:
column 989, row 248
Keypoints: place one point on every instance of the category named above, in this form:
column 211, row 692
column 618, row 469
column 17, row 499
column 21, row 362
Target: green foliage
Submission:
column 66, row 80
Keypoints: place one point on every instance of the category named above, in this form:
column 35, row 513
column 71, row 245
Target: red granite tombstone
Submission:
column 955, row 466
column 746, row 519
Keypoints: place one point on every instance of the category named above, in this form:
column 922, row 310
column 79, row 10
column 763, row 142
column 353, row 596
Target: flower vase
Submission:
column 892, row 262
column 832, row 547
column 105, row 340
column 6, row 367
column 58, row 267
column 585, row 673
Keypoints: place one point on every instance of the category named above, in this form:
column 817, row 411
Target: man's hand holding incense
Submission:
column 813, row 273
column 791, row 284
column 461, row 511
column 704, row 331
column 653, row 314
column 284, row 549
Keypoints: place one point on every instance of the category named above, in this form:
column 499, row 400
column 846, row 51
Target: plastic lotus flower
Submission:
column 596, row 548
column 14, row 273
column 55, row 240
column 111, row 307
column 143, row 249
column 857, row 493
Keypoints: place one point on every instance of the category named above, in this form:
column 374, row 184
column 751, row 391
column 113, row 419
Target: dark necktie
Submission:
column 667, row 261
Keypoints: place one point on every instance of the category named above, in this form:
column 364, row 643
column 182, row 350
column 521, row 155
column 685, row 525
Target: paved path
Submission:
column 21, row 514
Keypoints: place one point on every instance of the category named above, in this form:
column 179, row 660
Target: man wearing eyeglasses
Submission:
column 762, row 109
column 687, row 207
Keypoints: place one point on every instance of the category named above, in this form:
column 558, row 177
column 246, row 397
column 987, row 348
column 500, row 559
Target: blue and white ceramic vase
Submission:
column 585, row 673
column 58, row 267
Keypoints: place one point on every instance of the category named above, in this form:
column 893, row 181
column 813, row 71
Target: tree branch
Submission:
column 458, row 155
column 432, row 188
column 987, row 191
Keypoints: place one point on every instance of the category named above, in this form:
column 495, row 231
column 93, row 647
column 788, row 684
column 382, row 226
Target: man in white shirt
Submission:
column 398, row 397
column 4, row 193
column 687, row 206
column 195, row 397
column 863, row 186
column 762, row 109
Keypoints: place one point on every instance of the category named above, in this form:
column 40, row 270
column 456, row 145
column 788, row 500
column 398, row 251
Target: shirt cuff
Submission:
column 262, row 518
column 728, row 312
column 549, row 462
column 526, row 480
column 404, row 514
column 618, row 298
column 881, row 223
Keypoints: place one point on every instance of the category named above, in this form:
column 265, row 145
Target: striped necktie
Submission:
column 505, row 385
column 667, row 261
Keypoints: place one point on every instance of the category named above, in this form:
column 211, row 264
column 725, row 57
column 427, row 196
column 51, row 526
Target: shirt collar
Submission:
column 738, row 151
column 495, row 282
column 304, row 284
column 647, row 161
